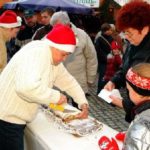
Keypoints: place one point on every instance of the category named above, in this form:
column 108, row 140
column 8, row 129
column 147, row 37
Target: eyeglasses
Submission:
column 129, row 34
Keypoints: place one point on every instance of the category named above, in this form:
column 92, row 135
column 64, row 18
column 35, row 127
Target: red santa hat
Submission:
column 61, row 37
column 9, row 19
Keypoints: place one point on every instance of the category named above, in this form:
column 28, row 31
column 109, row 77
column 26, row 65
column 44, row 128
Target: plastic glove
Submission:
column 106, row 144
column 121, row 136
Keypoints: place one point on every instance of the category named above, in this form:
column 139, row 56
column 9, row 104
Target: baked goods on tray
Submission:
column 68, row 122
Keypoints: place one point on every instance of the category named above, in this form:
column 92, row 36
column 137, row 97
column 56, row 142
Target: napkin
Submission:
column 104, row 94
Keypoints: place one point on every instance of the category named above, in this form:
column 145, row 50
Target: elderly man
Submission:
column 9, row 27
column 82, row 64
column 28, row 80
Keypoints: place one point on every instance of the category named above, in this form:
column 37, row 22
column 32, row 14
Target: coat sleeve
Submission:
column 3, row 55
column 30, row 76
column 91, row 60
column 128, row 106
column 102, row 49
column 119, row 76
column 66, row 82
column 118, row 61
column 138, row 135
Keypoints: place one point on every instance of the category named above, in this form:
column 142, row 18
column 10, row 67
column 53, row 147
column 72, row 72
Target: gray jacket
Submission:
column 82, row 64
column 138, row 134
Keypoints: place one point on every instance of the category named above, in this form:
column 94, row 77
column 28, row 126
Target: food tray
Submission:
column 77, row 127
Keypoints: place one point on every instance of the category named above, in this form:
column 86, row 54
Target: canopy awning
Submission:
column 64, row 5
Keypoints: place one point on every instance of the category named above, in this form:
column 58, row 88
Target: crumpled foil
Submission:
column 77, row 127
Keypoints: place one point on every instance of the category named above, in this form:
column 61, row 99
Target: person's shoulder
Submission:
column 145, row 114
column 138, row 133
column 37, row 43
column 142, row 119
column 41, row 28
column 81, row 31
column 137, row 125
column 77, row 30
column 37, row 26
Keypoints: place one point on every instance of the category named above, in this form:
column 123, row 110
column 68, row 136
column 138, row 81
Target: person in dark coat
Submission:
column 103, row 48
column 134, row 20
column 26, row 32
column 46, row 15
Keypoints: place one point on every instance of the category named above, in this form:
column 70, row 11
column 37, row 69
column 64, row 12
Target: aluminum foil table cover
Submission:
column 77, row 127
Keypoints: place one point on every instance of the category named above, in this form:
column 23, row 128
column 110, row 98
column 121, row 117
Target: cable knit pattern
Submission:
column 27, row 81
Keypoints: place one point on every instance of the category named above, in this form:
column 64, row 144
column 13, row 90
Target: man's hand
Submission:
column 84, row 112
column 62, row 100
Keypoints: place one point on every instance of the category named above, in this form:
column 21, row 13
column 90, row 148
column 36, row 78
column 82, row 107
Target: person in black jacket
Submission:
column 103, row 42
column 26, row 32
column 46, row 15
column 134, row 20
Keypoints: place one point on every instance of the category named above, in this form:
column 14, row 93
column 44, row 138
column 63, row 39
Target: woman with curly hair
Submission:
column 134, row 20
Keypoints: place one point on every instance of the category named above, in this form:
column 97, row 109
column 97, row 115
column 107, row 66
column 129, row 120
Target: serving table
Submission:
column 42, row 134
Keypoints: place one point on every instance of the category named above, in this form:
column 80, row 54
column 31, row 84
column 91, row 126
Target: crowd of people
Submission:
column 47, row 61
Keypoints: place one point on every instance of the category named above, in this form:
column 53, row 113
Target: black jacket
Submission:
column 41, row 32
column 103, row 48
column 25, row 35
column 133, row 55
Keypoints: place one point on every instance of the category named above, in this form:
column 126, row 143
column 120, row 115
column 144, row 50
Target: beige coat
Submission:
column 3, row 51
column 82, row 64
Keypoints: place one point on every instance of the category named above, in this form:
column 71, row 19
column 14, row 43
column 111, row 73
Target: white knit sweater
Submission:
column 27, row 81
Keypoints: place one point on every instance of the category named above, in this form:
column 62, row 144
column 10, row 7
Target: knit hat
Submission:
column 62, row 38
column 139, row 84
column 9, row 19
column 29, row 13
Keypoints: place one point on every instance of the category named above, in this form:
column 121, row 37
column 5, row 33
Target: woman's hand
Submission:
column 109, row 86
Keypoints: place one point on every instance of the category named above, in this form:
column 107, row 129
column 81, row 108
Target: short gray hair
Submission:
column 60, row 17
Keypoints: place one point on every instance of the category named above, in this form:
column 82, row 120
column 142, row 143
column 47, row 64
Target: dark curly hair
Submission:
column 135, row 14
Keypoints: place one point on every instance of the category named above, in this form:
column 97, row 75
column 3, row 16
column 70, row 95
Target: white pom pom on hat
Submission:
column 61, row 37
column 9, row 19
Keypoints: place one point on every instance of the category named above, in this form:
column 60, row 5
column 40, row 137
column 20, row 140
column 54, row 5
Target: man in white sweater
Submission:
column 82, row 63
column 28, row 79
